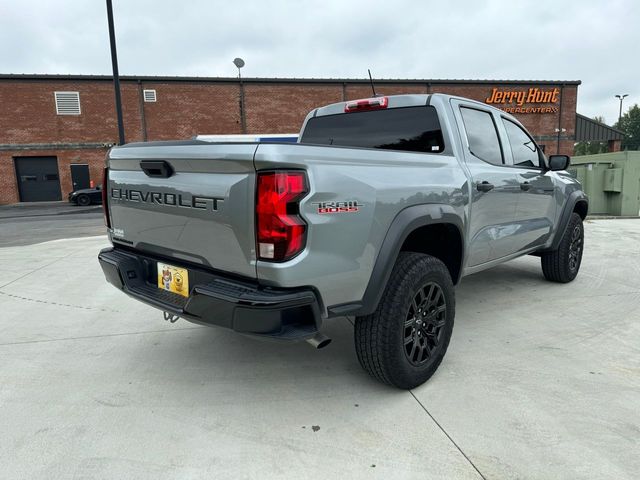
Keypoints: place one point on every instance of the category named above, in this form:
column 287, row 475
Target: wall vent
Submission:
column 149, row 95
column 67, row 103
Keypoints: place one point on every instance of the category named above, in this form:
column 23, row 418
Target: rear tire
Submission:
column 562, row 265
column 403, row 342
column 83, row 200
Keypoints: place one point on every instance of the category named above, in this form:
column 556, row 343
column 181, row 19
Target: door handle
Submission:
column 525, row 186
column 484, row 186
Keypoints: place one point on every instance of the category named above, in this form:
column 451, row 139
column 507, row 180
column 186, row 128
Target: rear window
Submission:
column 412, row 129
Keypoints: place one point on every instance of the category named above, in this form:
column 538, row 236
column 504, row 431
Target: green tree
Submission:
column 591, row 148
column 630, row 125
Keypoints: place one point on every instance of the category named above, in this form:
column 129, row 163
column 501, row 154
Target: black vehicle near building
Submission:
column 86, row 196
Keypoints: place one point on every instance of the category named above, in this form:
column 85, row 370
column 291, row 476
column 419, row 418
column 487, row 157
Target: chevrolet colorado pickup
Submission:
column 382, row 206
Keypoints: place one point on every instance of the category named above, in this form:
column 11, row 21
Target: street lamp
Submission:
column 621, row 97
column 239, row 63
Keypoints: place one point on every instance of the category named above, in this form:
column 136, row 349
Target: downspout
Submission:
column 143, row 118
column 243, row 118
column 559, row 120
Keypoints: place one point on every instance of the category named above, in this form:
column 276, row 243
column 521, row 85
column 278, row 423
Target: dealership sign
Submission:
column 525, row 101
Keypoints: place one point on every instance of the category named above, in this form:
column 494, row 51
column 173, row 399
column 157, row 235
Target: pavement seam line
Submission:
column 99, row 336
column 38, row 269
column 448, row 436
column 47, row 302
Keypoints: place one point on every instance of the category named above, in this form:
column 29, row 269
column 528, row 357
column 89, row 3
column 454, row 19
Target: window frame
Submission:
column 495, row 126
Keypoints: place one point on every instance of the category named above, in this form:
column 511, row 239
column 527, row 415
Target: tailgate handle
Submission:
column 156, row 168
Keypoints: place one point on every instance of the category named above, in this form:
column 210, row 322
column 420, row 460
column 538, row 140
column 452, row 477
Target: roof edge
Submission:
column 150, row 78
column 603, row 125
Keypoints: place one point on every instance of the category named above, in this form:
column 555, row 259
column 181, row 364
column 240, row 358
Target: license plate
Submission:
column 173, row 279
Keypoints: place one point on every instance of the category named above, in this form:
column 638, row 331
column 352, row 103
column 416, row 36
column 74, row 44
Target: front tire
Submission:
column 562, row 265
column 403, row 342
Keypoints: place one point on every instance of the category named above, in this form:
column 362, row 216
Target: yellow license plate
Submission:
column 173, row 279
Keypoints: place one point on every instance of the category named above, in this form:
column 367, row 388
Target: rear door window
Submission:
column 412, row 129
column 482, row 135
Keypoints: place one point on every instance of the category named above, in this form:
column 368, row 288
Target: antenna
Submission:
column 371, row 80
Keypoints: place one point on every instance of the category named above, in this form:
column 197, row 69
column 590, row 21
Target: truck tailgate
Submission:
column 202, row 213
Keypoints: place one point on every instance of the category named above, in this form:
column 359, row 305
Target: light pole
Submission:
column 116, row 76
column 238, row 62
column 621, row 97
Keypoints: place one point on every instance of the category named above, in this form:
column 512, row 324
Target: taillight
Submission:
column 105, row 205
column 375, row 103
column 280, row 231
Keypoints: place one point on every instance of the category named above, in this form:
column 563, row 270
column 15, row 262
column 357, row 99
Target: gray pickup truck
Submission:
column 382, row 206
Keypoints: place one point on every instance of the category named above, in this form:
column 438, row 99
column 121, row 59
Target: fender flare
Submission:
column 565, row 215
column 405, row 222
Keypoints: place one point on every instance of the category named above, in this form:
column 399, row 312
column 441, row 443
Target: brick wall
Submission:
column 188, row 107
column 183, row 110
column 8, row 182
column 282, row 108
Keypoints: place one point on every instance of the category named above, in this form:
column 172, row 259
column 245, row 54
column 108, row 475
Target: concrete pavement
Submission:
column 540, row 381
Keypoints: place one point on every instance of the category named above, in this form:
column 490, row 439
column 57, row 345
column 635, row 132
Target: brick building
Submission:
column 53, row 125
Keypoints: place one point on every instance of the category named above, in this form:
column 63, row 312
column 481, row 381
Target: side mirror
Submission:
column 559, row 162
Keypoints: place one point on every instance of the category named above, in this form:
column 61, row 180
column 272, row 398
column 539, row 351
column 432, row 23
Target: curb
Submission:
column 611, row 217
column 65, row 212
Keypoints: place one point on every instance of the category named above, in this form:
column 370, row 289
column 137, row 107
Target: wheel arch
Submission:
column 577, row 202
column 581, row 208
column 434, row 229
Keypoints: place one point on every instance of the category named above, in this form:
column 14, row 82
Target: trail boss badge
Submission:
column 350, row 206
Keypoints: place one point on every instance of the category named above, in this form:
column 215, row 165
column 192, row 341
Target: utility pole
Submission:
column 116, row 76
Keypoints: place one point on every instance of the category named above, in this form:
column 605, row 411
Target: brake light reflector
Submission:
column 375, row 103
column 280, row 231
column 105, row 205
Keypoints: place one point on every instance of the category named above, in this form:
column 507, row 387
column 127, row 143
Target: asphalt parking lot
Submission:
column 541, row 381
column 37, row 222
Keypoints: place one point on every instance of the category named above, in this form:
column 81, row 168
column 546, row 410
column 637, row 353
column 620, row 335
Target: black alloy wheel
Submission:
column 575, row 248
column 424, row 323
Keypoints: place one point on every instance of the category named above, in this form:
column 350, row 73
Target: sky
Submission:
column 597, row 42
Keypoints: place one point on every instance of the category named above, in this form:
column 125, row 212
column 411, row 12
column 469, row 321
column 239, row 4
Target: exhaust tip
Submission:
column 319, row 340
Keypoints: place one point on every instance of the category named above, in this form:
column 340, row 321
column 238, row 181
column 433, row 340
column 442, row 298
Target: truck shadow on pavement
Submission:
column 203, row 355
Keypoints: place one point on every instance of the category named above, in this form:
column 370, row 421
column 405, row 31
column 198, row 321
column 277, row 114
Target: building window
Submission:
column 67, row 103
column 149, row 95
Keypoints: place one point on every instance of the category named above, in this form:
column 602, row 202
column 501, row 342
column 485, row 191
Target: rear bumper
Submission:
column 217, row 300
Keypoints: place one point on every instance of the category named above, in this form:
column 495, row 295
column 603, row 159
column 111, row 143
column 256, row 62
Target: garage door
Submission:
column 38, row 179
